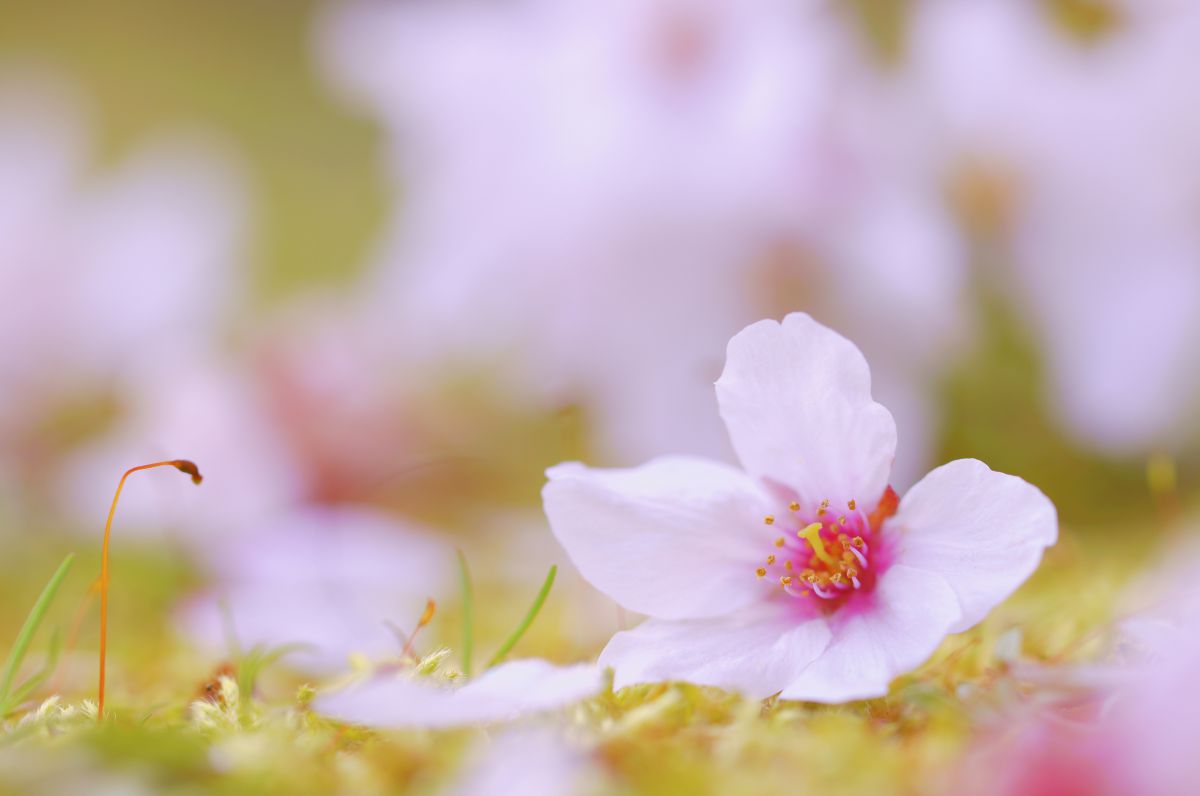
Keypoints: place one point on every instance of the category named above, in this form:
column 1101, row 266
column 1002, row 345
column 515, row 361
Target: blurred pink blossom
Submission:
column 576, row 175
column 329, row 578
column 104, row 278
column 532, row 761
column 212, row 411
column 1097, row 142
column 1140, row 735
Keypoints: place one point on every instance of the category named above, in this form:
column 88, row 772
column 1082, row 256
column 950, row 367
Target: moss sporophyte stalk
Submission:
column 184, row 466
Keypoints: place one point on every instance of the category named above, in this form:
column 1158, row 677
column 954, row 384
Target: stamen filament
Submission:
column 792, row 592
column 817, row 590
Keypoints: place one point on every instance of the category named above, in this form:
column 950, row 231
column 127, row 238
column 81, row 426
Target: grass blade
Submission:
column 26, row 688
column 252, row 665
column 25, row 637
column 512, row 640
column 258, row 659
column 468, row 609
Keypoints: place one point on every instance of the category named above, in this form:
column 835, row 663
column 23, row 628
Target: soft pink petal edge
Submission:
column 982, row 531
column 796, row 399
column 678, row 537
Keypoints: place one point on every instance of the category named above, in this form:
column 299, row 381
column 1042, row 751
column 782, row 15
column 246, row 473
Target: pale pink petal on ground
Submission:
column 506, row 692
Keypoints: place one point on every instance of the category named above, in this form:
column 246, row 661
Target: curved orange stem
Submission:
column 426, row 618
column 183, row 465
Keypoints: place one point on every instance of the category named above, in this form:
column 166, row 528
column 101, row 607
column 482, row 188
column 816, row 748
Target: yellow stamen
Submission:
column 812, row 535
column 770, row 559
column 793, row 506
column 769, row 519
column 852, row 505
column 779, row 542
column 762, row 573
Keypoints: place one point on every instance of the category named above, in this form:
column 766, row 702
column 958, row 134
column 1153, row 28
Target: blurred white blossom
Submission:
column 105, row 275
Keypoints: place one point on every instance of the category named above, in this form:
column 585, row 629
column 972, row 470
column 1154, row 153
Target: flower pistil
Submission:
column 829, row 557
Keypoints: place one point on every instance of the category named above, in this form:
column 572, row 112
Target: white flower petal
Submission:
column 532, row 685
column 796, row 398
column 506, row 692
column 675, row 538
column 757, row 652
column 983, row 532
column 912, row 613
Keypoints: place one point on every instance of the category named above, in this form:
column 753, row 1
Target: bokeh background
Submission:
column 375, row 265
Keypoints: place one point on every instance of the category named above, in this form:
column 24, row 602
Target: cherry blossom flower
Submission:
column 805, row 574
column 503, row 693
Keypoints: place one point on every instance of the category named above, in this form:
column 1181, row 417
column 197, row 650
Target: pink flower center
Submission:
column 828, row 555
